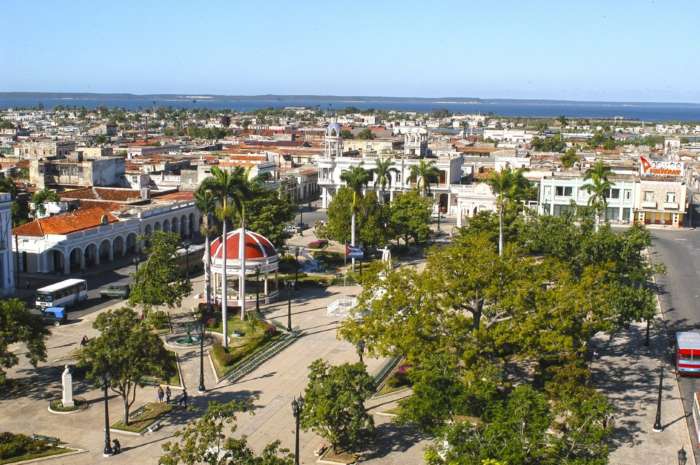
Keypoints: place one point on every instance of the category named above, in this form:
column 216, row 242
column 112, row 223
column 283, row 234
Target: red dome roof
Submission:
column 256, row 246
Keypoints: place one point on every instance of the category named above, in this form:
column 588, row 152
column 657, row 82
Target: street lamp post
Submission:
column 646, row 341
column 438, row 219
column 296, row 267
column 682, row 456
column 257, row 290
column 297, row 407
column 657, row 423
column 201, row 387
column 301, row 220
column 187, row 245
column 108, row 443
column 289, row 306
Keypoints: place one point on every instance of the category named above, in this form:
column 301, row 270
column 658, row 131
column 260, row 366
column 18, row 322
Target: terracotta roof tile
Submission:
column 66, row 223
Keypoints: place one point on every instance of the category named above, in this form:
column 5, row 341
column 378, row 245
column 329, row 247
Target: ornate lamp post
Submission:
column 257, row 290
column 296, row 267
column 186, row 245
column 657, row 423
column 682, row 456
column 289, row 305
column 108, row 443
column 297, row 407
column 202, row 318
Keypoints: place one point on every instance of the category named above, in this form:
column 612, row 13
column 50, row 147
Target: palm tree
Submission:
column 509, row 186
column 205, row 202
column 598, row 188
column 356, row 179
column 383, row 172
column 231, row 190
column 424, row 173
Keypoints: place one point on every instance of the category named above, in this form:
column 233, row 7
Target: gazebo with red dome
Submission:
column 260, row 255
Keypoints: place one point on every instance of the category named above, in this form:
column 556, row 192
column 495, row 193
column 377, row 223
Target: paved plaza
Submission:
column 274, row 384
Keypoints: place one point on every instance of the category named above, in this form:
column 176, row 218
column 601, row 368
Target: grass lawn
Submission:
column 46, row 453
column 236, row 325
column 172, row 373
column 140, row 419
column 226, row 361
column 387, row 389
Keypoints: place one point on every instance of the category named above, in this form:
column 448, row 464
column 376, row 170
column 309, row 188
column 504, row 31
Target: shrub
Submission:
column 318, row 244
column 157, row 319
column 224, row 356
column 16, row 445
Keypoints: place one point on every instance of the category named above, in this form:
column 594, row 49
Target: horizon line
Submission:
column 475, row 100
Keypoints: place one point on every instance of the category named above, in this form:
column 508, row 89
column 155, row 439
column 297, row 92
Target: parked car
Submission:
column 118, row 291
column 318, row 244
column 52, row 315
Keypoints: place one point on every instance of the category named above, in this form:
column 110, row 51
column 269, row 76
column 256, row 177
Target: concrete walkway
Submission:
column 627, row 372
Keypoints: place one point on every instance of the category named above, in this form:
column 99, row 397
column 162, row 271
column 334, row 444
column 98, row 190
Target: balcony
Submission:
column 649, row 204
column 670, row 206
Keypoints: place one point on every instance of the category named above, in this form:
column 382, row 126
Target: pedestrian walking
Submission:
column 116, row 446
column 84, row 341
column 183, row 398
column 161, row 394
column 168, row 394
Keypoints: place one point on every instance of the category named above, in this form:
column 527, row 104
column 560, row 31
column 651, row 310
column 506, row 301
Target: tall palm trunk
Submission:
column 224, row 285
column 352, row 235
column 241, row 259
column 207, row 268
column 500, row 230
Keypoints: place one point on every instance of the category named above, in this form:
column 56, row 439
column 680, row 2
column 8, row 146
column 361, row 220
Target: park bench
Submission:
column 155, row 426
column 48, row 439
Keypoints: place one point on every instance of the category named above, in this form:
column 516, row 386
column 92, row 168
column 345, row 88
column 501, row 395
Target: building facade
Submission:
column 7, row 268
column 559, row 191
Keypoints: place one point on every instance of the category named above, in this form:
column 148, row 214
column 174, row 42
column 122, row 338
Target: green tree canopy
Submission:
column 334, row 404
column 19, row 325
column 366, row 133
column 208, row 440
column 569, row 158
column 409, row 217
column 160, row 280
column 42, row 197
column 126, row 351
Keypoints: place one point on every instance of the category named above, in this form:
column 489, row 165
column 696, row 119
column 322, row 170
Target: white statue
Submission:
column 67, row 380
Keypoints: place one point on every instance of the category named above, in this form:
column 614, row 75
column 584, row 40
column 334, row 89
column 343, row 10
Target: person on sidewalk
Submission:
column 183, row 398
column 160, row 394
column 168, row 394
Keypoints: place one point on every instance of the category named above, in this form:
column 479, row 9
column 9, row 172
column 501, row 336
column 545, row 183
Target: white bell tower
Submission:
column 333, row 141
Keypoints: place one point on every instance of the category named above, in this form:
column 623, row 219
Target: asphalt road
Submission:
column 679, row 251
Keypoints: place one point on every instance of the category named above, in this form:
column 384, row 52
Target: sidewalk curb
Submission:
column 691, row 453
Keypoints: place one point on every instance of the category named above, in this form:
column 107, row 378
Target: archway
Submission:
column 185, row 231
column 156, row 227
column 190, row 224
column 75, row 258
column 174, row 226
column 131, row 241
column 105, row 251
column 90, row 255
column 443, row 203
column 118, row 247
column 166, row 225
column 56, row 261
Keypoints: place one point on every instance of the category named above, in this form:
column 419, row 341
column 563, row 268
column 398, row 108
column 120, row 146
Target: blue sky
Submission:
column 581, row 50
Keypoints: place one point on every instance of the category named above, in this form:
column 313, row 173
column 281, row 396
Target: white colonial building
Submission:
column 73, row 242
column 7, row 269
column 557, row 193
column 334, row 162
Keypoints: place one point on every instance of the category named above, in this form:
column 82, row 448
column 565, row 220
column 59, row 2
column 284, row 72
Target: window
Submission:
column 670, row 197
column 614, row 194
column 626, row 215
column 564, row 191
column 627, row 194
column 547, row 191
column 648, row 196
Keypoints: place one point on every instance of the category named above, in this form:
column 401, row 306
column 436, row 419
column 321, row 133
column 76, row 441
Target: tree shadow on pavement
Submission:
column 627, row 372
column 392, row 437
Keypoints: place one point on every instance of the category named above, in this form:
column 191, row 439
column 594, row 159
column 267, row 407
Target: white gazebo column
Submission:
column 265, row 288
column 324, row 197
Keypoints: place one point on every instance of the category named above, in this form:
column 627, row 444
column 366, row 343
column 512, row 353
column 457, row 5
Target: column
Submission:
column 97, row 256
column 324, row 197
column 110, row 254
column 82, row 261
column 66, row 264
column 265, row 291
